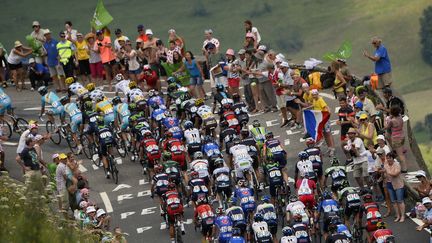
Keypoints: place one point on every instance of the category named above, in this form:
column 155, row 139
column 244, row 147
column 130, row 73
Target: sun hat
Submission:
column 262, row 48
column 149, row 32
column 381, row 137
column 89, row 35
column 351, row 130
column 380, row 151
column 35, row 23
column 17, row 43
column 139, row 40
column 90, row 209
column 230, row 52
column 31, row 60
column 121, row 38
column 171, row 31
column 100, row 212
column 47, row 31
column 208, row 31
column 55, row 156
column 62, row 156
column 363, row 116
column 280, row 56
column 83, row 204
column 426, row 200
column 421, row 173
column 241, row 51
column 284, row 64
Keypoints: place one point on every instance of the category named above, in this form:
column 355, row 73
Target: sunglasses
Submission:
column 62, row 36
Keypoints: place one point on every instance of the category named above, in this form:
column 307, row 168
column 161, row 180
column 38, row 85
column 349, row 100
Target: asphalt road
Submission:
column 129, row 203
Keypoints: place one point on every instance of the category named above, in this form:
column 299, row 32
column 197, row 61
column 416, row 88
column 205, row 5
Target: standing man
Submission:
column 55, row 69
column 104, row 46
column 38, row 34
column 245, row 81
column 382, row 63
column 208, row 35
column 357, row 151
column 66, row 50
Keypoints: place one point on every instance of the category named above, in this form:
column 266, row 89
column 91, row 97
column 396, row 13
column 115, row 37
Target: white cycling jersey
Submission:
column 77, row 89
column 240, row 154
column 205, row 112
column 200, row 166
column 298, row 207
column 192, row 136
column 136, row 94
column 305, row 167
column 260, row 229
column 123, row 86
column 288, row 239
column 96, row 94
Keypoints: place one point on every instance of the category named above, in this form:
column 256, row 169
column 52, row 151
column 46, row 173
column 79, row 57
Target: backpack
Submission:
column 327, row 80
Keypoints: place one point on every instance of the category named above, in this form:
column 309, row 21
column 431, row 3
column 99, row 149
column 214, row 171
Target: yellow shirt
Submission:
column 104, row 106
column 82, row 50
column 307, row 97
column 319, row 104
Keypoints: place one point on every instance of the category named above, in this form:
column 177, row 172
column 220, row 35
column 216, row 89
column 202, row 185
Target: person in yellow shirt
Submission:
column 82, row 54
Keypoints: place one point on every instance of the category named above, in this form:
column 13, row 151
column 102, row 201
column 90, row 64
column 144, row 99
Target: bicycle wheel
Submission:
column 7, row 130
column 71, row 143
column 87, row 146
column 55, row 136
column 113, row 169
column 121, row 148
column 20, row 125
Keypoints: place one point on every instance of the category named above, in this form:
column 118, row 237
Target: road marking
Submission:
column 95, row 167
column 10, row 143
column 147, row 211
column 82, row 168
column 122, row 197
column 142, row 182
column 289, row 132
column 302, row 140
column 106, row 201
column 118, row 160
column 36, row 108
column 418, row 222
column 121, row 186
column 272, row 123
column 287, row 142
column 142, row 229
column 144, row 193
column 337, row 109
column 125, row 215
column 329, row 96
column 256, row 114
column 164, row 226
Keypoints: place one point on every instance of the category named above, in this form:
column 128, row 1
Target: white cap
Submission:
column 209, row 31
column 381, row 137
column 171, row 31
column 314, row 91
column 262, row 47
column 83, row 204
column 421, row 173
column 280, row 56
column 100, row 212
column 149, row 32
column 47, row 31
column 426, row 200
column 284, row 64
column 90, row 209
column 305, row 85
column 38, row 137
column 31, row 60
column 36, row 23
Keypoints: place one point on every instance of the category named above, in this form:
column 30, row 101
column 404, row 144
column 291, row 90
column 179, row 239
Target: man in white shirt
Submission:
column 208, row 34
column 118, row 33
column 355, row 147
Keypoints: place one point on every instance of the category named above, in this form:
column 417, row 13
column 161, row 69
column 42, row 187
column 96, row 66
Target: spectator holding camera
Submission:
column 395, row 186
column 357, row 153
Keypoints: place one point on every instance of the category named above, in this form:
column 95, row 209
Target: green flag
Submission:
column 101, row 17
column 330, row 56
column 345, row 50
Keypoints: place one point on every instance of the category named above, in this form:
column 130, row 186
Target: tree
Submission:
column 426, row 35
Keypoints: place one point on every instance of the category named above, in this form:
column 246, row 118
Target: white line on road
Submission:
column 10, row 143
column 142, row 229
column 106, row 201
column 95, row 167
column 287, row 142
column 142, row 182
column 82, row 168
column 272, row 123
column 329, row 96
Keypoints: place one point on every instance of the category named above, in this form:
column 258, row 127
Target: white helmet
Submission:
column 119, row 77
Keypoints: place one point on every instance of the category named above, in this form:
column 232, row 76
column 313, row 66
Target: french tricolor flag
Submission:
column 314, row 122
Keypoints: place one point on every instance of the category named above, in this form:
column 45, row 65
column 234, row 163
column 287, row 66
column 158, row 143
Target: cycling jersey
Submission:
column 301, row 233
column 261, row 232
column 305, row 191
column 152, row 150
column 373, row 215
column 237, row 217
column 305, row 167
column 192, row 136
column 211, row 149
column 241, row 158
column 328, row 206
column 199, row 189
column 155, row 100
column 351, row 201
column 222, row 177
column 5, row 102
column 382, row 234
column 75, row 116
column 288, row 239
column 341, row 228
column 77, row 89
column 90, row 117
column 259, row 134
column 174, row 145
column 338, row 176
column 274, row 176
column 246, row 198
column 52, row 99
column 227, row 136
column 122, row 110
column 205, row 213
column 274, row 150
column 315, row 157
column 237, row 239
column 298, row 207
column 224, row 225
column 107, row 109
column 200, row 166
column 171, row 168
column 338, row 238
column 135, row 95
column 268, row 212
column 241, row 112
column 173, row 203
column 123, row 86
column 158, row 114
column 96, row 94
column 173, row 125
column 161, row 182
column 105, row 135
column 251, row 144
column 231, row 118
column 204, row 112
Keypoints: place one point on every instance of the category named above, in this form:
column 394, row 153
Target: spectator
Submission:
column 66, row 50
column 119, row 35
column 427, row 216
column 141, row 33
column 245, row 81
column 96, row 67
column 105, row 49
column 267, row 93
column 250, row 43
column 196, row 75
column 3, row 65
column 340, row 83
column 395, row 131
column 343, row 68
column 62, row 172
column 233, row 69
column 14, row 60
column 356, row 150
column 380, row 160
column 71, row 34
column 179, row 41
column 280, row 77
column 2, row 152
column 381, row 143
column 425, row 187
column 395, row 186
column 368, row 105
column 161, row 56
column 30, row 158
column 103, row 220
column 118, row 236
column 37, row 72
column 151, row 40
column 346, row 119
column 214, row 61
column 251, row 29
column 366, row 130
column 251, row 66
column 30, row 132
column 351, row 98
column 132, row 61
column 38, row 142
column 82, row 54
column 52, row 167
column 391, row 101
column 382, row 63
column 208, row 38
column 55, row 69
column 38, row 33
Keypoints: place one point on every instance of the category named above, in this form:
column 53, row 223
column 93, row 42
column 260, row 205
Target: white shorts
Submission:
column 56, row 71
column 281, row 101
column 242, row 166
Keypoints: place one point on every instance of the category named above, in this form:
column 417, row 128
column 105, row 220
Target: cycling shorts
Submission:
column 124, row 123
column 108, row 119
column 76, row 121
column 181, row 159
column 371, row 227
column 103, row 148
column 206, row 229
column 280, row 158
column 172, row 210
column 308, row 200
column 59, row 110
column 227, row 190
column 351, row 210
column 192, row 148
column 5, row 104
column 272, row 188
column 91, row 128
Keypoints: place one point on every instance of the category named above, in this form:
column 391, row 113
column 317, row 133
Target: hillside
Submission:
column 302, row 29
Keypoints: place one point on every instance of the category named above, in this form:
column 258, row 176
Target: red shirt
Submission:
column 310, row 183
column 274, row 78
column 382, row 234
column 203, row 211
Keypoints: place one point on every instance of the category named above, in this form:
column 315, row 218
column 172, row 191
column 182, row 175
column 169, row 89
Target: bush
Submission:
column 27, row 212
column 426, row 35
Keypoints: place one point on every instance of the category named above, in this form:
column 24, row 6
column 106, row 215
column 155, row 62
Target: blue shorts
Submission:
column 76, row 121
column 138, row 71
column 280, row 158
column 108, row 119
column 396, row 196
column 196, row 81
column 91, row 129
column 124, row 123
column 5, row 105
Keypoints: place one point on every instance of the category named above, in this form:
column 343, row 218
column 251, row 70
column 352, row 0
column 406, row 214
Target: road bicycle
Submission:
column 13, row 124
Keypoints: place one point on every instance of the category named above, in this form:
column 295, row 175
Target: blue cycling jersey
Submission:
column 155, row 100
column 341, row 228
column 158, row 114
column 52, row 99
column 211, row 149
column 72, row 110
column 328, row 206
column 245, row 196
column 224, row 225
column 122, row 110
column 237, row 239
column 170, row 122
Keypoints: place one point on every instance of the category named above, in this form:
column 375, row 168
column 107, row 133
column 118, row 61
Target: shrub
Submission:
column 426, row 35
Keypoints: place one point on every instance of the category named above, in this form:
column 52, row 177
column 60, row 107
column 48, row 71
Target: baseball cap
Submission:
column 421, row 173
column 62, row 156
column 31, row 60
column 262, row 48
column 359, row 105
column 117, row 31
column 149, row 32
column 363, row 116
column 79, row 34
column 90, row 209
column 381, row 137
column 55, row 156
column 380, row 151
column 35, row 23
column 351, row 130
column 140, row 27
column 121, row 38
column 241, row 51
column 47, row 31
column 139, row 40
column 284, row 64
column 209, row 46
column 99, row 32
column 387, row 90
column 314, row 91
column 426, row 200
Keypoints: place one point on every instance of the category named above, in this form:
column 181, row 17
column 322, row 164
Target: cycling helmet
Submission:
column 152, row 93
column 269, row 134
column 155, row 106
column 172, row 87
column 188, row 125
column 303, row 155
column 256, row 123
column 218, row 162
column 119, row 77
column 90, row 87
column 171, row 80
column 100, row 120
column 327, row 195
column 223, row 124
column 220, row 88
column 265, row 198
column 334, row 161
column 201, row 200
column 166, row 155
column 245, row 132
column 116, row 100
column 43, row 90
column 258, row 217
column 132, row 106
column 158, row 168
column 293, row 198
column 219, row 211
column 367, row 197
column 236, row 141
column 198, row 155
column 132, row 85
column 194, row 174
column 236, row 97
column 236, row 231
column 69, row 81
column 287, row 231
column 199, row 102
column 297, row 218
column 168, row 134
column 335, row 220
column 171, row 185
column 88, row 105
column 64, row 100
column 100, row 98
column 147, row 134
column 167, row 113
column 208, row 139
column 227, row 106
column 310, row 141
column 381, row 225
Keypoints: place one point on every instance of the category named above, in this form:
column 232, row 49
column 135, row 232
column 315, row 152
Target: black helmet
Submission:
column 244, row 132
column 224, row 124
column 269, row 134
column 116, row 100
column 334, row 161
column 220, row 87
column 256, row 123
column 88, row 105
column 64, row 100
column 236, row 141
column 171, row 80
column 43, row 90
column 236, row 97
column 218, row 162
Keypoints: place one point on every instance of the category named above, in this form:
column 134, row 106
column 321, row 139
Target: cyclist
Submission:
column 229, row 116
column 240, row 160
column 306, row 191
column 296, row 207
column 121, row 85
column 106, row 143
column 371, row 210
column 177, row 149
column 173, row 206
column 104, row 107
column 221, row 180
column 226, row 136
column 240, row 110
column 154, row 98
column 260, row 229
column 121, row 117
column 350, row 201
column 200, row 165
column 274, row 177
column 315, row 157
column 75, row 88
column 330, row 208
column 211, row 149
column 248, row 140
column 94, row 93
column 221, row 97
column 222, row 229
column 258, row 132
column 304, row 166
column 383, row 234
column 192, row 137
column 245, row 196
column 172, row 169
column 159, row 183
column 338, row 175
column 5, row 103
column 157, row 116
column 52, row 99
column 237, row 236
column 206, row 118
column 197, row 188
column 334, row 235
column 150, row 152
column 273, row 150
column 288, row 235
column 134, row 94
column 300, row 229
column 76, row 119
column 267, row 210
column 237, row 216
column 172, row 124
column 204, row 214
column 90, row 117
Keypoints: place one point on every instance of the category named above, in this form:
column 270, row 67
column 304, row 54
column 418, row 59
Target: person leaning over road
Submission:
column 382, row 63
column 395, row 186
column 427, row 216
column 293, row 93
column 356, row 151
column 425, row 186
column 66, row 50
column 17, row 54
column 55, row 68
column 394, row 127
column 38, row 142
column 30, row 132
column 391, row 101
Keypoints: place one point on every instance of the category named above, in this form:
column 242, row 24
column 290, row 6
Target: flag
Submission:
column 314, row 122
column 345, row 50
column 101, row 17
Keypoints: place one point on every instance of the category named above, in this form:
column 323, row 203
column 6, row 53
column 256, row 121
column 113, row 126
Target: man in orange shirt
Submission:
column 105, row 49
column 141, row 33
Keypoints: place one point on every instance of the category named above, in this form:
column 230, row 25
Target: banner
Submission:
column 314, row 123
column 101, row 17
column 344, row 52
